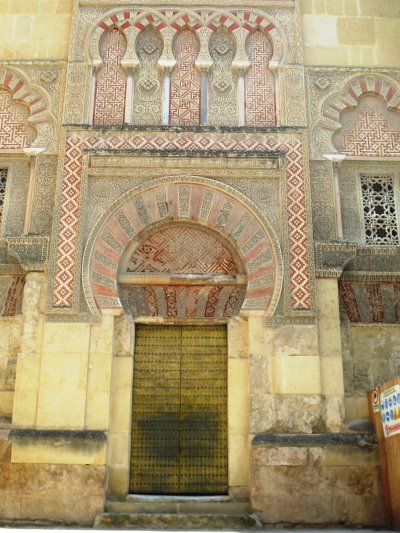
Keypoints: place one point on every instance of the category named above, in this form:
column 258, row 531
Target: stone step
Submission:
column 178, row 506
column 174, row 521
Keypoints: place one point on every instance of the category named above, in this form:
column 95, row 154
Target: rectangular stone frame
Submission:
column 239, row 437
column 74, row 169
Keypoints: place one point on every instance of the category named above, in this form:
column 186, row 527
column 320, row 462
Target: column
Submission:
column 336, row 159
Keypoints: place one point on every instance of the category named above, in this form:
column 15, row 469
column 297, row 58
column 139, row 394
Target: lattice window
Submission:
column 379, row 207
column 3, row 182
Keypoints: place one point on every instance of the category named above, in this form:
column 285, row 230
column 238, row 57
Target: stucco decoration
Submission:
column 35, row 103
column 197, row 201
column 336, row 108
column 179, row 19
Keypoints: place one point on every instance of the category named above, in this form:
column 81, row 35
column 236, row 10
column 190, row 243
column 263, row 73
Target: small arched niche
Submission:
column 16, row 133
column 259, row 81
column 110, row 96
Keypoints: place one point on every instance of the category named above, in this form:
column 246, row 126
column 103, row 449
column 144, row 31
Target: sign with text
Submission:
column 390, row 411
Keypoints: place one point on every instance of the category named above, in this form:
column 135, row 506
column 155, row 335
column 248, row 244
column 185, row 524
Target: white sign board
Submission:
column 390, row 411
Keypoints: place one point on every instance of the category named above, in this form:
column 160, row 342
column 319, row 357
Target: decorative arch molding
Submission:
column 196, row 201
column 347, row 99
column 34, row 99
column 172, row 20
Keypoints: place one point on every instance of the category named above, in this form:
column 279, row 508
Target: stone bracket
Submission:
column 30, row 253
column 332, row 258
column 353, row 261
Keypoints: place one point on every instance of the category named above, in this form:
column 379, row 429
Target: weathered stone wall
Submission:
column 371, row 355
column 69, row 494
column 319, row 482
column 10, row 339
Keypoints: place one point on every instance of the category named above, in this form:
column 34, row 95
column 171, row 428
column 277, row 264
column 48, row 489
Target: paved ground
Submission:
column 10, row 529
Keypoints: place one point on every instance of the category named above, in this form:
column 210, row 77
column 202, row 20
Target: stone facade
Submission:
column 189, row 165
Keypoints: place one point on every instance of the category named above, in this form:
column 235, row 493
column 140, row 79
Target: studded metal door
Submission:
column 179, row 415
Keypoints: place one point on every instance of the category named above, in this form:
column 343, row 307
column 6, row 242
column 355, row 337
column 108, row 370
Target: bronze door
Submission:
column 179, row 415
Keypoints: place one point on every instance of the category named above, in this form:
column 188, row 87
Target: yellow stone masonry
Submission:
column 351, row 32
column 35, row 29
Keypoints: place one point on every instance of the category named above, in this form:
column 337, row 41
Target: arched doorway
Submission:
column 188, row 259
column 188, row 273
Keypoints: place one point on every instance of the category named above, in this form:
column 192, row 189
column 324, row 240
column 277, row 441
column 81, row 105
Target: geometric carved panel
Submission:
column 15, row 132
column 183, row 250
column 370, row 302
column 184, row 301
column 259, row 97
column 185, row 81
column 3, row 182
column 370, row 130
column 111, row 80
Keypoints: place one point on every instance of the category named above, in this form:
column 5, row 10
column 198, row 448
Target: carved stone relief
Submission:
column 15, row 131
column 334, row 91
column 147, row 107
column 110, row 80
column 43, row 195
column 222, row 96
column 260, row 82
column 24, row 102
column 370, row 130
column 185, row 81
column 278, row 25
column 15, row 198
column 201, row 202
column 323, row 206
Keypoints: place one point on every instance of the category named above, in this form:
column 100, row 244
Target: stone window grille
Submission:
column 3, row 182
column 379, row 210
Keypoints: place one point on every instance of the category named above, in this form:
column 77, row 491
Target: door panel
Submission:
column 179, row 422
column 156, row 405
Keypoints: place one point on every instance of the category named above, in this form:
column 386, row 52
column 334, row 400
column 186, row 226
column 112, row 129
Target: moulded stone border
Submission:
column 95, row 240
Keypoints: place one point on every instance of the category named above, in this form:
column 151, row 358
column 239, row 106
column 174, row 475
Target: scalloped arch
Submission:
column 131, row 21
column 348, row 98
column 34, row 99
column 187, row 199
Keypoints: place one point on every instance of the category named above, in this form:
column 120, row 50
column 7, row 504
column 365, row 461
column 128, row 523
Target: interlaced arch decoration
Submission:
column 131, row 21
column 195, row 201
column 338, row 104
column 36, row 120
